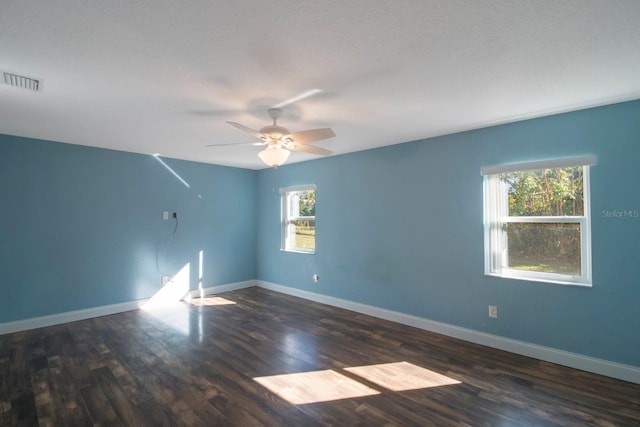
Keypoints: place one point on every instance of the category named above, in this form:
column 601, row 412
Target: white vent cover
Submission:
column 23, row 82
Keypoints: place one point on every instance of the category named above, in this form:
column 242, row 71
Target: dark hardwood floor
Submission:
column 213, row 362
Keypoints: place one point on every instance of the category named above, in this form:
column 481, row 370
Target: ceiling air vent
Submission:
column 23, row 82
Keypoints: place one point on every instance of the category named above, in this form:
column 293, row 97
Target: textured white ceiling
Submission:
column 161, row 76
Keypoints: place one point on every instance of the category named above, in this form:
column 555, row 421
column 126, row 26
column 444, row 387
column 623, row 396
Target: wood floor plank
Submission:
column 196, row 364
column 23, row 410
column 126, row 409
column 99, row 407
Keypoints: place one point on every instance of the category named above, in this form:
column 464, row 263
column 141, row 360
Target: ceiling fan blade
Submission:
column 246, row 129
column 312, row 135
column 255, row 144
column 309, row 149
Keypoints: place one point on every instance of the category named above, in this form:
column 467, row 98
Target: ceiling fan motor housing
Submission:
column 274, row 131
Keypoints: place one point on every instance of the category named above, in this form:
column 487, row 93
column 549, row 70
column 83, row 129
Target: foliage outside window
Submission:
column 537, row 223
column 299, row 219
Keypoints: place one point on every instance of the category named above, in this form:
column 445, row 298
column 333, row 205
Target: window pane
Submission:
column 307, row 203
column 298, row 219
column 545, row 192
column 545, row 247
column 304, row 233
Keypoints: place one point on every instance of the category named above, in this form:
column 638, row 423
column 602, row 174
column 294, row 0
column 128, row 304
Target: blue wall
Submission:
column 82, row 227
column 398, row 227
column 401, row 228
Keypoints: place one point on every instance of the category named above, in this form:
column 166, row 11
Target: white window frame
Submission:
column 496, row 216
column 287, row 238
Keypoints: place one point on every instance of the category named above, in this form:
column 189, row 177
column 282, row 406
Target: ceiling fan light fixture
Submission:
column 274, row 156
column 280, row 142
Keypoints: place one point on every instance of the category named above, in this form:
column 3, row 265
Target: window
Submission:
column 536, row 218
column 299, row 219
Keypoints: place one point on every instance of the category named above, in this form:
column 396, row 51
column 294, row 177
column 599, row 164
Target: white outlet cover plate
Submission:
column 493, row 311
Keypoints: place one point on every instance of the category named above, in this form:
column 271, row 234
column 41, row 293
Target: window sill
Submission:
column 541, row 279
column 299, row 251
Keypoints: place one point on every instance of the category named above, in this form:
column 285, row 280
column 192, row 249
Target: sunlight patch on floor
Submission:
column 401, row 376
column 167, row 306
column 210, row 301
column 316, row 386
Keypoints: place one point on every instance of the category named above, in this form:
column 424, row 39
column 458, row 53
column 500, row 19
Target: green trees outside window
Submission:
column 552, row 247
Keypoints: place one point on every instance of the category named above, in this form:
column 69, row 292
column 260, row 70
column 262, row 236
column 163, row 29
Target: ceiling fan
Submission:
column 280, row 142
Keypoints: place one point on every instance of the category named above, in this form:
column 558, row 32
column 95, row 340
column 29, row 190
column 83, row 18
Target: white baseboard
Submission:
column 560, row 357
column 69, row 316
column 223, row 288
column 105, row 310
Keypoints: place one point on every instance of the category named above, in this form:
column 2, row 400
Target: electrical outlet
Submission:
column 165, row 215
column 493, row 311
column 316, row 278
column 165, row 280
